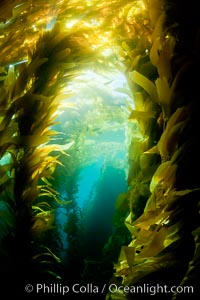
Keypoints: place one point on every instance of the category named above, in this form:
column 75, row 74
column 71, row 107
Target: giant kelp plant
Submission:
column 44, row 45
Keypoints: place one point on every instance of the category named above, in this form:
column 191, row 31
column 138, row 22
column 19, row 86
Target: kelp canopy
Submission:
column 155, row 43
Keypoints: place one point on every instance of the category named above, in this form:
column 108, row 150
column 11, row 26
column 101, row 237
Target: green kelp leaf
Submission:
column 48, row 169
column 127, row 253
column 133, row 274
column 6, row 140
column 49, row 192
column 66, row 66
column 46, row 181
column 4, row 178
column 165, row 56
column 129, row 224
column 43, row 204
column 58, row 148
column 152, row 203
column 176, row 197
column 142, row 239
column 62, row 97
column 37, row 208
column 63, row 202
column 59, row 39
column 46, row 254
column 2, row 70
column 147, row 159
column 156, row 243
column 2, row 78
column 143, row 188
column 5, row 168
column 42, row 165
column 42, row 223
column 178, row 117
column 9, row 82
column 26, row 74
column 45, row 214
column 146, row 266
column 4, row 122
column 122, row 202
column 139, row 101
column 62, row 55
column 170, row 140
column 20, row 8
column 164, row 91
column 33, row 140
column 141, row 115
column 164, row 176
column 54, row 274
column 6, row 184
column 179, row 155
column 52, row 254
column 43, row 128
column 196, row 232
column 134, row 61
column 155, row 10
column 150, row 218
column 49, row 188
column 50, row 133
column 156, row 38
column 145, row 83
column 137, row 146
column 173, row 234
column 30, row 194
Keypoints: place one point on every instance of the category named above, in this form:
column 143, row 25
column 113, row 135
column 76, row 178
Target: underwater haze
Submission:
column 94, row 173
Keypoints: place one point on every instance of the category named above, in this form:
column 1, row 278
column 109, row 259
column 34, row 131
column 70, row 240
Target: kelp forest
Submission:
column 99, row 149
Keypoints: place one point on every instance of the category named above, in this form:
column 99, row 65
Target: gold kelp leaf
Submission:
column 33, row 140
column 156, row 243
column 164, row 176
column 141, row 115
column 145, row 83
column 149, row 218
column 42, row 222
column 167, row 142
column 129, row 224
column 58, row 148
column 62, row 55
column 155, row 10
column 138, row 101
column 163, row 90
column 127, row 253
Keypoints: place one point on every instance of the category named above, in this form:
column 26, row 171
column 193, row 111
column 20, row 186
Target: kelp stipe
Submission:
column 30, row 108
column 170, row 216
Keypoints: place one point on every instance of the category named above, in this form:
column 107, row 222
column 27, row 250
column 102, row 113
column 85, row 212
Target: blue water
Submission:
column 97, row 123
column 89, row 176
column 98, row 188
column 99, row 210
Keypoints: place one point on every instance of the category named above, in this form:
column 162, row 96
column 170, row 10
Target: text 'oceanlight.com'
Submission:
column 61, row 289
